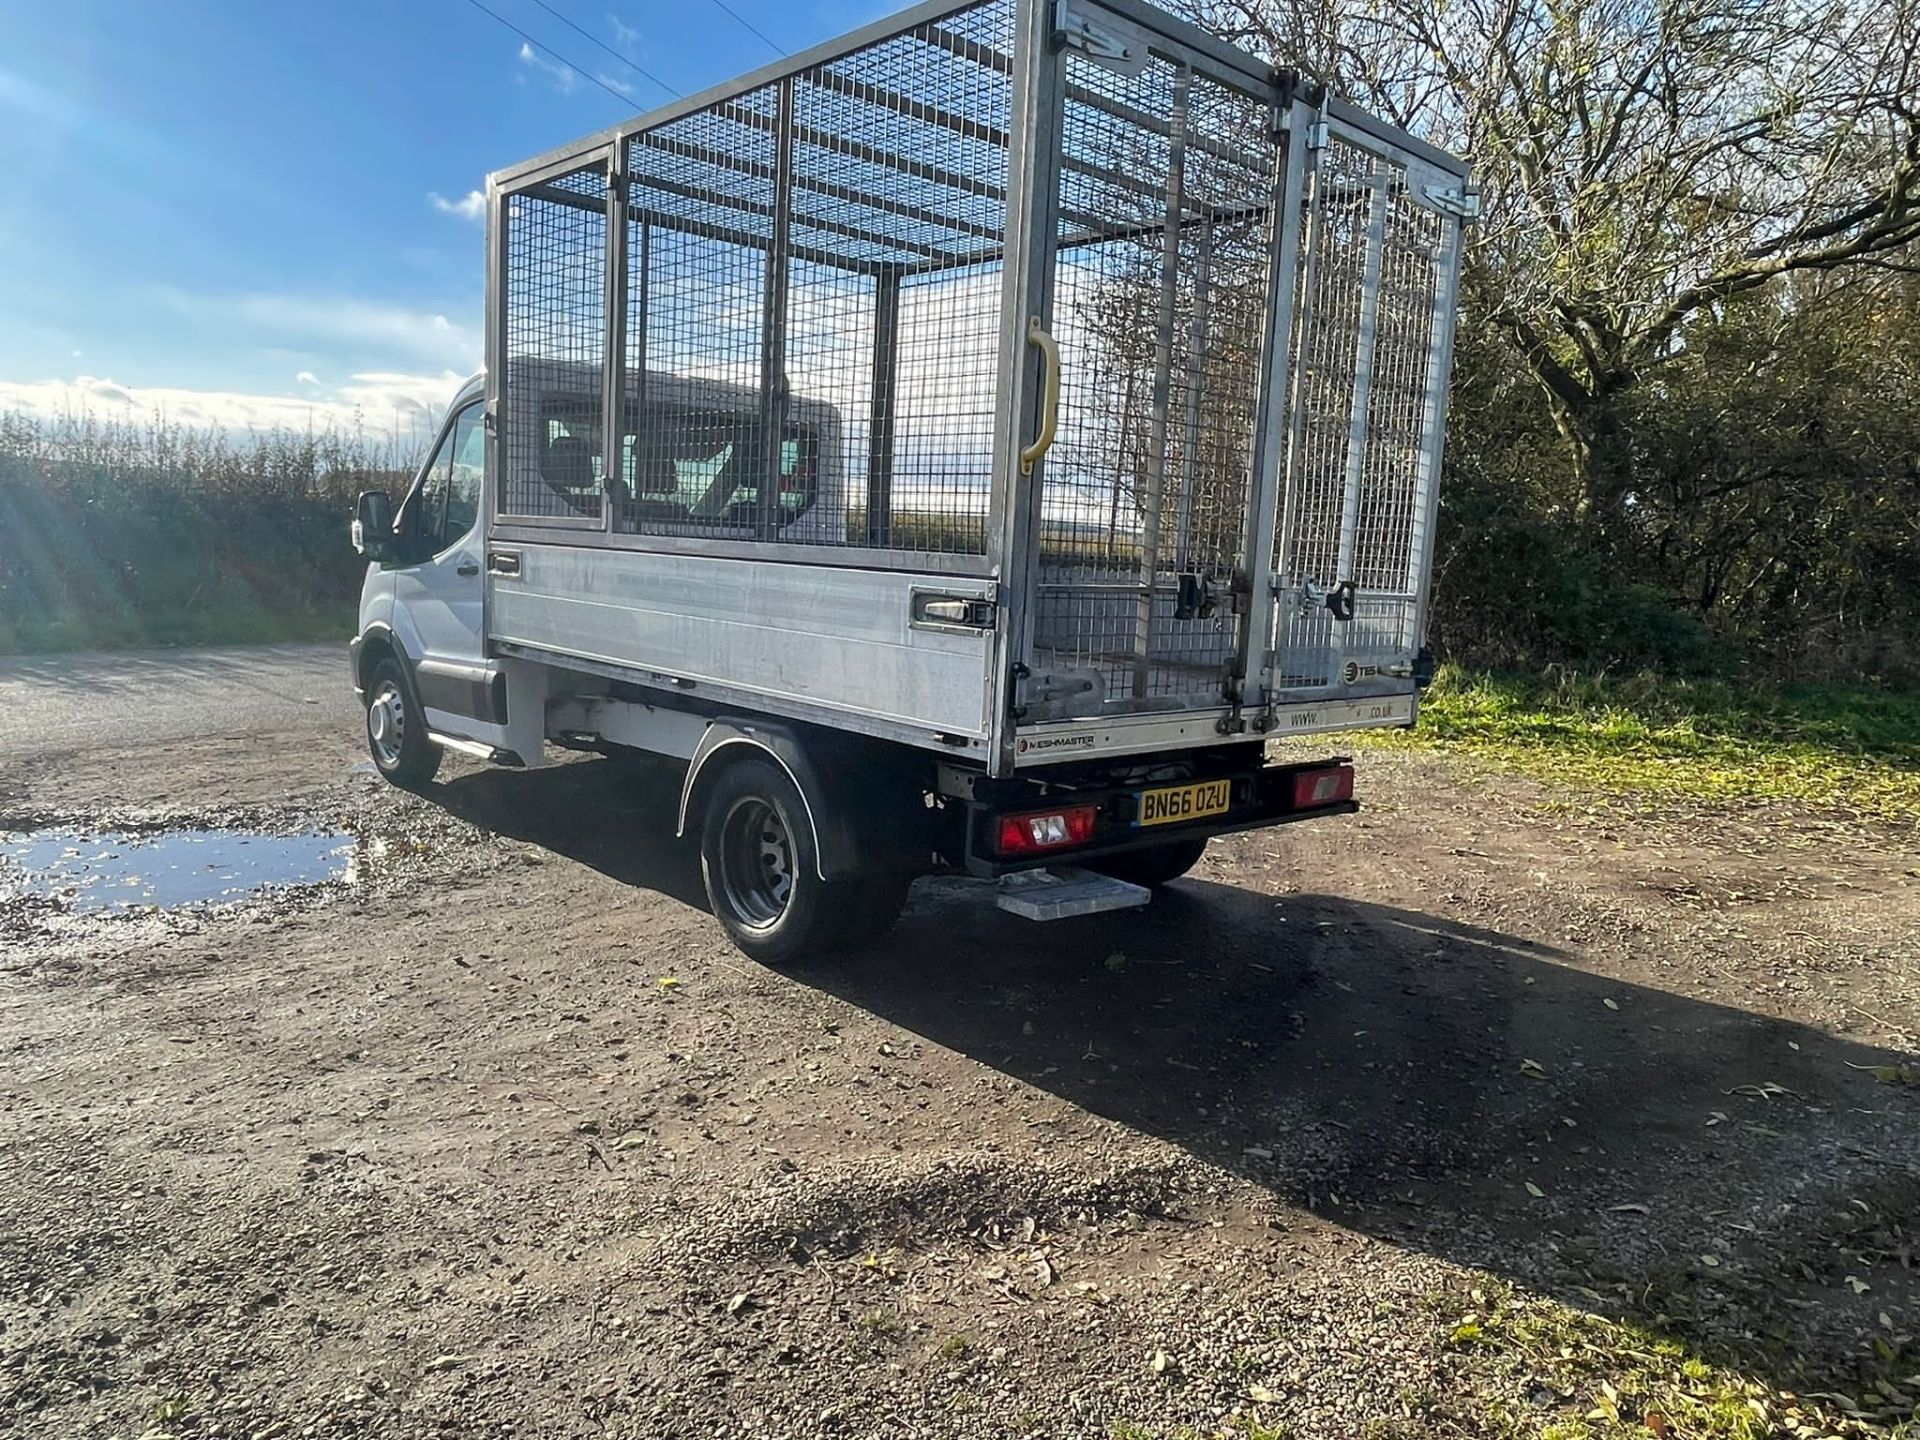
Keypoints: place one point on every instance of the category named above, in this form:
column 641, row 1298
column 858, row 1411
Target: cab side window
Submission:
column 449, row 498
column 467, row 473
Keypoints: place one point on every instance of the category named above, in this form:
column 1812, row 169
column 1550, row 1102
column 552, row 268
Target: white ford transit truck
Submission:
column 963, row 445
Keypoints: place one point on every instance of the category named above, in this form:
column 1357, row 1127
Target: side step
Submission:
column 1065, row 891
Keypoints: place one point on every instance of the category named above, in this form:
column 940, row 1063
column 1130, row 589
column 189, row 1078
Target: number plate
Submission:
column 1174, row 803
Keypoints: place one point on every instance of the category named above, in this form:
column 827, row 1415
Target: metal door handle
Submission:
column 467, row 567
column 1038, row 337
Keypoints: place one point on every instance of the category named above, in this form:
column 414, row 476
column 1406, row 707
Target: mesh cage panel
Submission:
column 555, row 347
column 1354, row 506
column 813, row 301
column 1160, row 305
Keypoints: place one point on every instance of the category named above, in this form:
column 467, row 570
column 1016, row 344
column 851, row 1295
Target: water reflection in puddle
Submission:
column 115, row 870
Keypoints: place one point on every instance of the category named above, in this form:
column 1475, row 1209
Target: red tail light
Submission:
column 1046, row 830
column 1329, row 786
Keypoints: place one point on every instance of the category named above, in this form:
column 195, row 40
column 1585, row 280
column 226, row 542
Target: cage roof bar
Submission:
column 924, row 111
column 760, row 170
column 765, row 209
column 705, row 229
column 872, row 155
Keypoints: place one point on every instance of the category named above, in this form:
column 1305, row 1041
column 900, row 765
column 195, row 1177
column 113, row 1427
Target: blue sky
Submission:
column 254, row 211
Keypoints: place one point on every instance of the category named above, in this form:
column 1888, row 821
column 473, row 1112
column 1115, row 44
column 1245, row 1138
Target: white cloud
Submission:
column 318, row 327
column 624, row 35
column 380, row 403
column 614, row 82
column 306, row 377
column 471, row 206
column 562, row 76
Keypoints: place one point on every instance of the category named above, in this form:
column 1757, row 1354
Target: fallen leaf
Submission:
column 1712, row 1262
column 1533, row 1068
column 631, row 1141
column 739, row 1302
column 1857, row 1285
column 1610, row 1003
column 449, row 1362
column 1535, row 1191
column 1161, row 1362
column 669, row 982
column 1631, row 1208
column 1261, row 1395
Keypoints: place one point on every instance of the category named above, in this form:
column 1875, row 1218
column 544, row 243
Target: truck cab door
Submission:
column 438, row 609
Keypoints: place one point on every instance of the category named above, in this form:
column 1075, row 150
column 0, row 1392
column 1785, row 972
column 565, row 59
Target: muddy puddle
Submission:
column 113, row 871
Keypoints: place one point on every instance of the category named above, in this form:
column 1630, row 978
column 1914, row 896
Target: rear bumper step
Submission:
column 1063, row 891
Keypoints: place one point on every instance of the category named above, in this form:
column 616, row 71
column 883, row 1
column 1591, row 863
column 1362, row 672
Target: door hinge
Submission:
column 1317, row 135
column 1462, row 201
column 1105, row 41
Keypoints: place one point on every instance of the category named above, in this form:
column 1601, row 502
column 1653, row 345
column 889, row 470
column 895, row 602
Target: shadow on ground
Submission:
column 1714, row 1173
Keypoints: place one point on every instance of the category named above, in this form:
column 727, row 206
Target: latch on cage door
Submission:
column 1338, row 601
column 968, row 614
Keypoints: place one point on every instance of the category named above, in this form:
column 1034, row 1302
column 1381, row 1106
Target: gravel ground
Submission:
column 502, row 1139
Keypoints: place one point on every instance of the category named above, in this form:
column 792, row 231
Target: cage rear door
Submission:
column 1166, row 185
column 1371, row 351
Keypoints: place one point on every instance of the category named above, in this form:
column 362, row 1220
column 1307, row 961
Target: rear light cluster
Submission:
column 1328, row 786
column 1046, row 830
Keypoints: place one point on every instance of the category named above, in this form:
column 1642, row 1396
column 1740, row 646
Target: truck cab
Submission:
column 418, row 653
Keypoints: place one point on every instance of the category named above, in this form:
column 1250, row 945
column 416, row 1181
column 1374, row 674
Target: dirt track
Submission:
column 505, row 1140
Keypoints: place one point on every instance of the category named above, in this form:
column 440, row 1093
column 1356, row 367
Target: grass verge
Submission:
column 1546, row 1371
column 1854, row 747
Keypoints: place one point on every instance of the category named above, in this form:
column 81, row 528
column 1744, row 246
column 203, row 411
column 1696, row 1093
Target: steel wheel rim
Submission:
column 756, row 863
column 387, row 723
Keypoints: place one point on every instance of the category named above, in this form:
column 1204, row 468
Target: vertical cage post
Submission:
column 613, row 417
column 496, row 353
column 1279, row 358
column 1026, row 287
column 1446, row 306
column 1191, row 479
column 1155, row 497
column 773, row 345
column 886, row 352
column 1367, row 343
column 640, row 340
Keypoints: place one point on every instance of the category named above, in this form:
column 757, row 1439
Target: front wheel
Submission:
column 762, row 872
column 1156, row 866
column 397, row 731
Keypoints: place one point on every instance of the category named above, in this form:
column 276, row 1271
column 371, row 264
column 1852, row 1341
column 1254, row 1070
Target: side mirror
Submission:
column 373, row 524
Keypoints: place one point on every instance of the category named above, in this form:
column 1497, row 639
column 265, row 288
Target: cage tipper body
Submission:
column 1028, row 381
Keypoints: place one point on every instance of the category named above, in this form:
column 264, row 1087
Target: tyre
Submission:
column 1156, row 866
column 762, row 874
column 396, row 730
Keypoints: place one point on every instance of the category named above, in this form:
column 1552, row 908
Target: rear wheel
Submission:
column 1154, row 867
column 762, row 872
column 396, row 730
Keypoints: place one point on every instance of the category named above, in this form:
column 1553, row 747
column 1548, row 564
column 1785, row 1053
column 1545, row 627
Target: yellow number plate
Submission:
column 1184, row 802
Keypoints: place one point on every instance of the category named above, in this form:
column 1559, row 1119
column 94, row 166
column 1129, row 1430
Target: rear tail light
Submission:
column 1046, row 830
column 1331, row 785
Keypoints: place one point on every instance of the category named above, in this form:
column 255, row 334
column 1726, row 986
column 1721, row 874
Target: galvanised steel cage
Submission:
column 1063, row 297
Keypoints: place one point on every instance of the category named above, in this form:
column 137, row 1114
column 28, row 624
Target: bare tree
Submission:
column 1643, row 162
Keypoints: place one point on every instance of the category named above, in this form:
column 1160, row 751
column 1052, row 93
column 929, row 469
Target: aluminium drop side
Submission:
column 1026, row 380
